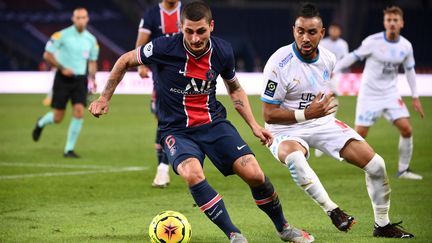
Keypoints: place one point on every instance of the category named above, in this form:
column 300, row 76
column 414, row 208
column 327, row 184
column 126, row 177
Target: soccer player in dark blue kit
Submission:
column 193, row 123
column 162, row 19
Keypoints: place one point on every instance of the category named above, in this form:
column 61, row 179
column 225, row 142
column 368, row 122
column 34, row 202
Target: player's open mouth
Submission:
column 306, row 47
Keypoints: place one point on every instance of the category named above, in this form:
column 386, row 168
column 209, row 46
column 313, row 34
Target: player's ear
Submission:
column 211, row 25
column 323, row 31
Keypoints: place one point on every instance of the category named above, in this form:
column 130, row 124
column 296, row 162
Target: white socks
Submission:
column 303, row 175
column 405, row 152
column 378, row 189
column 163, row 168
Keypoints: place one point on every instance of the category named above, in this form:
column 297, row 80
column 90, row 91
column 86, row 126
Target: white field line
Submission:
column 70, row 166
column 100, row 169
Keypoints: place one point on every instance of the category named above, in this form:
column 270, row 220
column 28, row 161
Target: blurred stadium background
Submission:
column 255, row 28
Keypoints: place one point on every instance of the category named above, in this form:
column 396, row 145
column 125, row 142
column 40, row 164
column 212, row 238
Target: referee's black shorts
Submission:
column 65, row 88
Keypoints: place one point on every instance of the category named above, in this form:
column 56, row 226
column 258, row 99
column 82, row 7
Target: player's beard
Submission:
column 198, row 48
column 309, row 51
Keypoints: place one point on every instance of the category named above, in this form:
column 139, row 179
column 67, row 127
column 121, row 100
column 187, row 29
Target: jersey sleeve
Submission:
column 409, row 61
column 54, row 42
column 228, row 73
column 364, row 50
column 273, row 89
column 145, row 24
column 152, row 52
column 94, row 51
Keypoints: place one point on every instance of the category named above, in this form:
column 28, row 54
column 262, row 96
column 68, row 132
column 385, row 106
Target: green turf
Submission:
column 117, row 207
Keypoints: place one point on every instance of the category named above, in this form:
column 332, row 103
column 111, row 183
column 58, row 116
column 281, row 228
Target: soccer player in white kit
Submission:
column 334, row 43
column 339, row 47
column 384, row 53
column 297, row 109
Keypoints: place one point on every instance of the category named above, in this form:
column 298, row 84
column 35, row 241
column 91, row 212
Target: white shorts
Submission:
column 369, row 109
column 330, row 138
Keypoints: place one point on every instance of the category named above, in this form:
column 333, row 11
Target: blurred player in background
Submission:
column 160, row 20
column 384, row 53
column 334, row 43
column 338, row 46
column 193, row 123
column 297, row 108
column 74, row 52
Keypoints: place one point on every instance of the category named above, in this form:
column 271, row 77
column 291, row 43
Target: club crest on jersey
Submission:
column 270, row 88
column 211, row 75
column 326, row 75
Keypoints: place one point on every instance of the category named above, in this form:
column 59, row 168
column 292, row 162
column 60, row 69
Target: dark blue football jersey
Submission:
column 187, row 85
column 157, row 21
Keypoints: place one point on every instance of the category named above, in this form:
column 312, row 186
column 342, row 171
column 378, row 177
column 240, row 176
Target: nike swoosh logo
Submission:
column 240, row 147
column 212, row 212
column 182, row 72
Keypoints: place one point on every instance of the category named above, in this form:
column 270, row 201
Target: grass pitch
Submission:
column 106, row 196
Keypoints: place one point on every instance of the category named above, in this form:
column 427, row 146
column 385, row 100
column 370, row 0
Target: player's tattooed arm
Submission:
column 241, row 104
column 125, row 62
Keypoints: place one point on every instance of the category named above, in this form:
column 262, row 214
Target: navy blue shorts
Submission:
column 219, row 140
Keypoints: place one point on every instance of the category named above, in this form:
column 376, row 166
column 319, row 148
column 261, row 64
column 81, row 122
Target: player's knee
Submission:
column 406, row 131
column 255, row 179
column 248, row 169
column 376, row 167
column 193, row 177
column 191, row 171
column 362, row 132
column 288, row 147
column 58, row 118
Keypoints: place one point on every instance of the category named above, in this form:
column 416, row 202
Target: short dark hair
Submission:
column 196, row 11
column 80, row 8
column 308, row 10
column 394, row 10
column 335, row 25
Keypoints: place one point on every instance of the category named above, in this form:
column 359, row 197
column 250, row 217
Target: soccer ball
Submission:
column 170, row 227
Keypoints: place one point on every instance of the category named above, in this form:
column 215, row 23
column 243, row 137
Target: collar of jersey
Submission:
column 172, row 11
column 195, row 56
column 294, row 47
column 75, row 31
column 390, row 41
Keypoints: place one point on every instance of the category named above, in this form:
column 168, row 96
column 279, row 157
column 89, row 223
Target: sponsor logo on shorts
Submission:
column 270, row 88
column 241, row 147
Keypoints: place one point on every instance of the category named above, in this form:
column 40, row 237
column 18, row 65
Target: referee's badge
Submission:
column 270, row 88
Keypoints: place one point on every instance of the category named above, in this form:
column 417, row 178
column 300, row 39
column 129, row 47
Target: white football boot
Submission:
column 162, row 178
column 408, row 174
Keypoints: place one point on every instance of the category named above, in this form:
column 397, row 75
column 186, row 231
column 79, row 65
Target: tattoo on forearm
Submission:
column 232, row 85
column 238, row 103
column 109, row 88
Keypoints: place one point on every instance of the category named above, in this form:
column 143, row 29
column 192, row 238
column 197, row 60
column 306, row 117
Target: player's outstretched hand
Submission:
column 321, row 106
column 99, row 107
column 418, row 106
column 265, row 136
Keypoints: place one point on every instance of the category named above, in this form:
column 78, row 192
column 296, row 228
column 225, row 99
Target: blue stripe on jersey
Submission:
column 274, row 102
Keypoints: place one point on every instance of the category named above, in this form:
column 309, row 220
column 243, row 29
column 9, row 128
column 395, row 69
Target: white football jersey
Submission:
column 293, row 82
column 383, row 59
column 338, row 47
